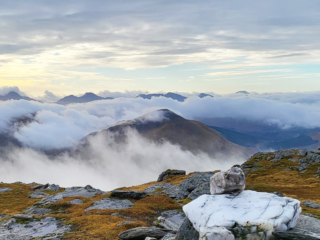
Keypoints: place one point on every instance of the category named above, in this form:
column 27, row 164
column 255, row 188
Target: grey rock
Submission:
column 279, row 194
column 128, row 222
column 140, row 233
column 51, row 187
column 296, row 234
column 311, row 204
column 37, row 211
column 3, row 190
column 76, row 201
column 47, row 228
column 195, row 180
column 23, row 216
column 176, row 192
column 110, row 203
column 233, row 180
column 38, row 194
column 187, row 231
column 128, row 194
column 164, row 175
column 157, row 187
column 86, row 192
column 169, row 236
column 171, row 219
column 307, row 223
column 203, row 188
column 150, row 238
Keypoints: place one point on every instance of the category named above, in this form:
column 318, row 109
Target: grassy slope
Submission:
column 264, row 175
column 94, row 224
column 268, row 176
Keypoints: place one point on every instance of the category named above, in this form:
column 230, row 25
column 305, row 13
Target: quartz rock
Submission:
column 256, row 211
column 230, row 181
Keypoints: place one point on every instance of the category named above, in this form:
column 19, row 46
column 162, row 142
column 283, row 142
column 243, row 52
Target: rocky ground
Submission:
column 33, row 211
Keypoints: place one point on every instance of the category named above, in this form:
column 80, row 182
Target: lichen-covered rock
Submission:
column 128, row 194
column 47, row 228
column 230, row 181
column 110, row 203
column 164, row 175
column 187, row 231
column 203, row 188
column 86, row 192
column 258, row 212
column 141, row 233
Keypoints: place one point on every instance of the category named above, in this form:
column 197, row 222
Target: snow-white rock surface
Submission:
column 255, row 211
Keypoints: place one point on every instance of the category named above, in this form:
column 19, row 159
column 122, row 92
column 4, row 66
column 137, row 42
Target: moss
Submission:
column 184, row 201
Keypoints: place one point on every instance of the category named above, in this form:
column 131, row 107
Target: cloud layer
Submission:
column 56, row 126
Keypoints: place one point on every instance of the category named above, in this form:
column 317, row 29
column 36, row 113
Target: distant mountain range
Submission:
column 14, row 96
column 88, row 97
column 171, row 95
column 262, row 135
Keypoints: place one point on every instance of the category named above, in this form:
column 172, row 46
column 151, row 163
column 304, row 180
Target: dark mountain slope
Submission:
column 190, row 135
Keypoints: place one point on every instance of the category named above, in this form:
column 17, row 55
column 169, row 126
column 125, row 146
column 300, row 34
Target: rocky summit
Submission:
column 261, row 199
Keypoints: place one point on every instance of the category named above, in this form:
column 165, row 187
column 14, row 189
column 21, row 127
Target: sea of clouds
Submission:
column 107, row 165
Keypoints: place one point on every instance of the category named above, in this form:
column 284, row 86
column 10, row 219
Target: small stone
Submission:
column 3, row 190
column 150, row 238
column 230, row 181
column 140, row 233
column 23, row 216
column 279, row 194
column 311, row 204
column 169, row 236
column 164, row 175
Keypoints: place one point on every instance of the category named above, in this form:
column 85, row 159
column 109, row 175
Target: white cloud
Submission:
column 107, row 165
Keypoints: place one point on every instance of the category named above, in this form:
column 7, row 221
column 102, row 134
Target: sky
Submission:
column 77, row 46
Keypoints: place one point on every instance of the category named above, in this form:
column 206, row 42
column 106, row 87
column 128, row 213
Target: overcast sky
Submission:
column 206, row 46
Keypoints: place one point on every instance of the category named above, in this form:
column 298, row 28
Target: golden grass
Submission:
column 15, row 201
column 100, row 224
column 271, row 177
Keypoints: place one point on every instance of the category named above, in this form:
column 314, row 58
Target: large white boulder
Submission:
column 229, row 181
column 248, row 214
